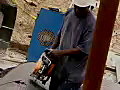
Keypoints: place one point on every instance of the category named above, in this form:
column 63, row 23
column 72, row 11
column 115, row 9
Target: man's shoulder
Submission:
column 91, row 19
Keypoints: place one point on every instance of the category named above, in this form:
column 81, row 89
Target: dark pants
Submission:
column 59, row 81
column 57, row 84
column 69, row 86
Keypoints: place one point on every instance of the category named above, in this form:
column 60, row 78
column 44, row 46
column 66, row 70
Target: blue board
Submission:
column 47, row 25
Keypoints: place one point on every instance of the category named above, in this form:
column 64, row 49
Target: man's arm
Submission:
column 67, row 52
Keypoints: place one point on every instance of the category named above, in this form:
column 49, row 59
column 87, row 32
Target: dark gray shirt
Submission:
column 76, row 33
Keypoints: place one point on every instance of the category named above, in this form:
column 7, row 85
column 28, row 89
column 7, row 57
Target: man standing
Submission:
column 73, row 45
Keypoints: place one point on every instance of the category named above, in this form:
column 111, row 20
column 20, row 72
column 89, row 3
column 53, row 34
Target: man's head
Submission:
column 81, row 7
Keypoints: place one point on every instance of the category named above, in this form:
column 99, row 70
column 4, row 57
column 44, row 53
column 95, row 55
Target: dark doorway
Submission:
column 9, row 16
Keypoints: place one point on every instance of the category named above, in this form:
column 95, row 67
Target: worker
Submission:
column 72, row 46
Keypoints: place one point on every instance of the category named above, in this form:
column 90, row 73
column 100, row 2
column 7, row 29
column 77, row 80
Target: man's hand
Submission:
column 66, row 52
column 54, row 55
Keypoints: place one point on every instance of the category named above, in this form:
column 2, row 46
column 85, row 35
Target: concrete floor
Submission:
column 11, row 58
column 23, row 72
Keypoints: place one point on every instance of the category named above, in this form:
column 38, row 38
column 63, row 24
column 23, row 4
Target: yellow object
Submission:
column 63, row 10
column 15, row 2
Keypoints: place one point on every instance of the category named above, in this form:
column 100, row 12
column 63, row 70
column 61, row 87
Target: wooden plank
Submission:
column 101, row 42
column 1, row 18
column 118, row 71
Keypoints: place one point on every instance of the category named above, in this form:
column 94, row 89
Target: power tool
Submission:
column 46, row 66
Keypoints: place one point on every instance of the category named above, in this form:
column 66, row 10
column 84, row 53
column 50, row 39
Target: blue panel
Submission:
column 47, row 25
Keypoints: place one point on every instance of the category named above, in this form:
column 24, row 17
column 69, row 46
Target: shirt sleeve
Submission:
column 85, row 43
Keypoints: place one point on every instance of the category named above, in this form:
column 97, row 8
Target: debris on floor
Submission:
column 113, row 67
column 11, row 58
